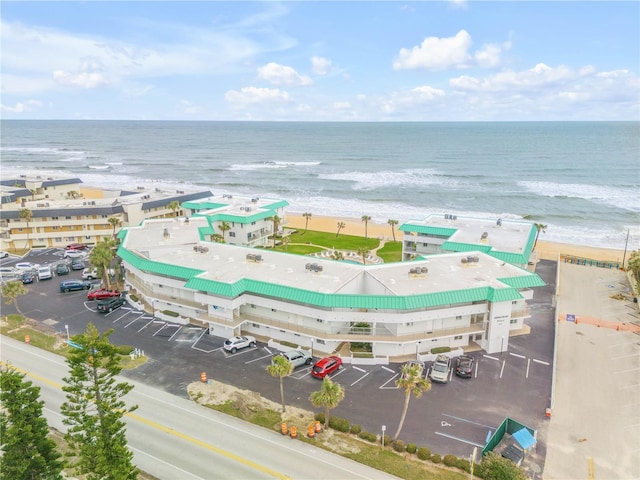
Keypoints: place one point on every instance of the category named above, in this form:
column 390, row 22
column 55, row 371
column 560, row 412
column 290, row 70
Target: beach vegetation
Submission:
column 634, row 267
column 95, row 408
column 390, row 252
column 276, row 220
column 101, row 256
column 27, row 450
column 341, row 225
column 320, row 240
column 174, row 206
column 328, row 397
column 497, row 467
column 280, row 367
column 363, row 252
column 411, row 382
column 393, row 224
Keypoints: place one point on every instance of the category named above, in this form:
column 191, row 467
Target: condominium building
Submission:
column 452, row 299
column 37, row 212
column 508, row 240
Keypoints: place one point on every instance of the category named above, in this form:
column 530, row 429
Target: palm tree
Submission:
column 276, row 222
column 329, row 396
column 307, row 216
column 115, row 222
column 341, row 225
column 216, row 237
column 11, row 291
column 363, row 252
column 539, row 226
column 73, row 194
column 285, row 242
column 174, row 206
column 410, row 381
column 101, row 256
column 280, row 367
column 224, row 227
column 33, row 193
column 393, row 223
column 366, row 219
column 27, row 215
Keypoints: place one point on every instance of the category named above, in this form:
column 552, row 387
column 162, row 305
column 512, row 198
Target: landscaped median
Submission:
column 405, row 461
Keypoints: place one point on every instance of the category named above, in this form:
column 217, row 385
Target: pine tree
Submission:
column 95, row 408
column 27, row 451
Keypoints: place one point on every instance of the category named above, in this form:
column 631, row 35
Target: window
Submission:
column 458, row 317
column 54, row 228
column 255, row 325
column 68, row 217
column 319, row 320
column 232, row 234
column 55, row 218
column 320, row 341
column 513, row 321
column 458, row 337
column 409, row 324
column 273, row 309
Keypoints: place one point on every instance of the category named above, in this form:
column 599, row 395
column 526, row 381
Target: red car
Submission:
column 102, row 294
column 76, row 246
column 326, row 366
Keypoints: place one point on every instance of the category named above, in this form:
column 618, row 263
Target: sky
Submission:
column 321, row 61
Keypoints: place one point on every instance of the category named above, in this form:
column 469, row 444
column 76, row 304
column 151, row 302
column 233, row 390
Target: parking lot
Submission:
column 450, row 418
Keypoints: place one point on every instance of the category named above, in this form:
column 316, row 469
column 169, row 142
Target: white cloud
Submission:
column 20, row 107
column 320, row 65
column 540, row 76
column 85, row 80
column 278, row 74
column 451, row 52
column 255, row 95
column 436, row 53
column 188, row 107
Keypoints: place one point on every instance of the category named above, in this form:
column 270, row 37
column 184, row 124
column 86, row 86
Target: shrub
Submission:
column 134, row 297
column 440, row 350
column 369, row 437
column 463, row 464
column 398, row 445
column 387, row 439
column 356, row 429
column 319, row 417
column 124, row 349
column 171, row 313
column 340, row 424
column 289, row 344
column 411, row 448
column 435, row 458
column 423, row 453
column 450, row 460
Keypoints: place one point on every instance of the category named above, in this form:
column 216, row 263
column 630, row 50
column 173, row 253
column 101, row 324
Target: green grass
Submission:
column 329, row 240
column 391, row 252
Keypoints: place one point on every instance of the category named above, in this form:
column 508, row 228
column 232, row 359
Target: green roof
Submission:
column 203, row 205
column 427, row 230
column 151, row 266
column 466, row 247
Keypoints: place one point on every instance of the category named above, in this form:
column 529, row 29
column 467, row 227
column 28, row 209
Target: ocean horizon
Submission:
column 581, row 179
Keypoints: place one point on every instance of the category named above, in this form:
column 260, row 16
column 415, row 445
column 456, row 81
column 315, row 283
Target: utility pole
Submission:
column 626, row 243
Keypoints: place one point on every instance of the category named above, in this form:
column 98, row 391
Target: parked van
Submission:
column 45, row 273
column 10, row 273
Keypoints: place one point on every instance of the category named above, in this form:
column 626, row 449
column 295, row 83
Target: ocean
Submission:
column 581, row 179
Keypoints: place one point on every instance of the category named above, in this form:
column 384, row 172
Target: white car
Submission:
column 3, row 254
column 74, row 254
column 27, row 266
column 45, row 273
column 234, row 344
column 90, row 273
column 297, row 357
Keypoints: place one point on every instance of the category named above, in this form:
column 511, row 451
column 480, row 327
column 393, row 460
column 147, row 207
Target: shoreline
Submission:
column 545, row 249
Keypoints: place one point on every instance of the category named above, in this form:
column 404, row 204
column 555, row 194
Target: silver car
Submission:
column 297, row 357
column 440, row 369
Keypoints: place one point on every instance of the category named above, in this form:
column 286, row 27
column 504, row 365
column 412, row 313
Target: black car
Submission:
column 109, row 304
column 71, row 285
column 464, row 366
column 62, row 269
column 27, row 277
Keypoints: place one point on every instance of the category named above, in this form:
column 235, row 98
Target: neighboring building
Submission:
column 64, row 211
column 453, row 299
column 507, row 240
column 239, row 220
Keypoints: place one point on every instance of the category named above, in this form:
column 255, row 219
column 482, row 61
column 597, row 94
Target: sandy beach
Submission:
column 354, row 226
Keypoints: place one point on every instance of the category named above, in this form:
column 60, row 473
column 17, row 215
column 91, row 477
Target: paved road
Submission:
column 172, row 437
column 452, row 418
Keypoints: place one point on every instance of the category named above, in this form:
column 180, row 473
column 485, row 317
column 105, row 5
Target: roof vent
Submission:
column 254, row 257
column 314, row 267
column 484, row 236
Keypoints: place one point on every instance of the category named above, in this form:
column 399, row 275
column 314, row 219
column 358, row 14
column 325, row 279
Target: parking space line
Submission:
column 358, row 368
column 171, row 337
column 388, row 369
column 307, row 372
column 467, row 421
column 517, row 355
column 477, row 363
column 149, row 323
column 161, row 328
column 257, row 359
column 492, row 358
column 502, row 369
column 460, row 439
column 239, row 352
column 134, row 320
column 384, row 385
column 360, row 378
column 541, row 362
column 268, row 351
column 340, row 370
column 528, row 363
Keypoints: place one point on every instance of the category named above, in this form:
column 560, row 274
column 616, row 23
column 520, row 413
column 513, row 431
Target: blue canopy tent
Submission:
column 524, row 439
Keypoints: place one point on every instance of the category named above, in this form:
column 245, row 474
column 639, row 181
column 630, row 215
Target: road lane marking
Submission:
column 175, row 433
